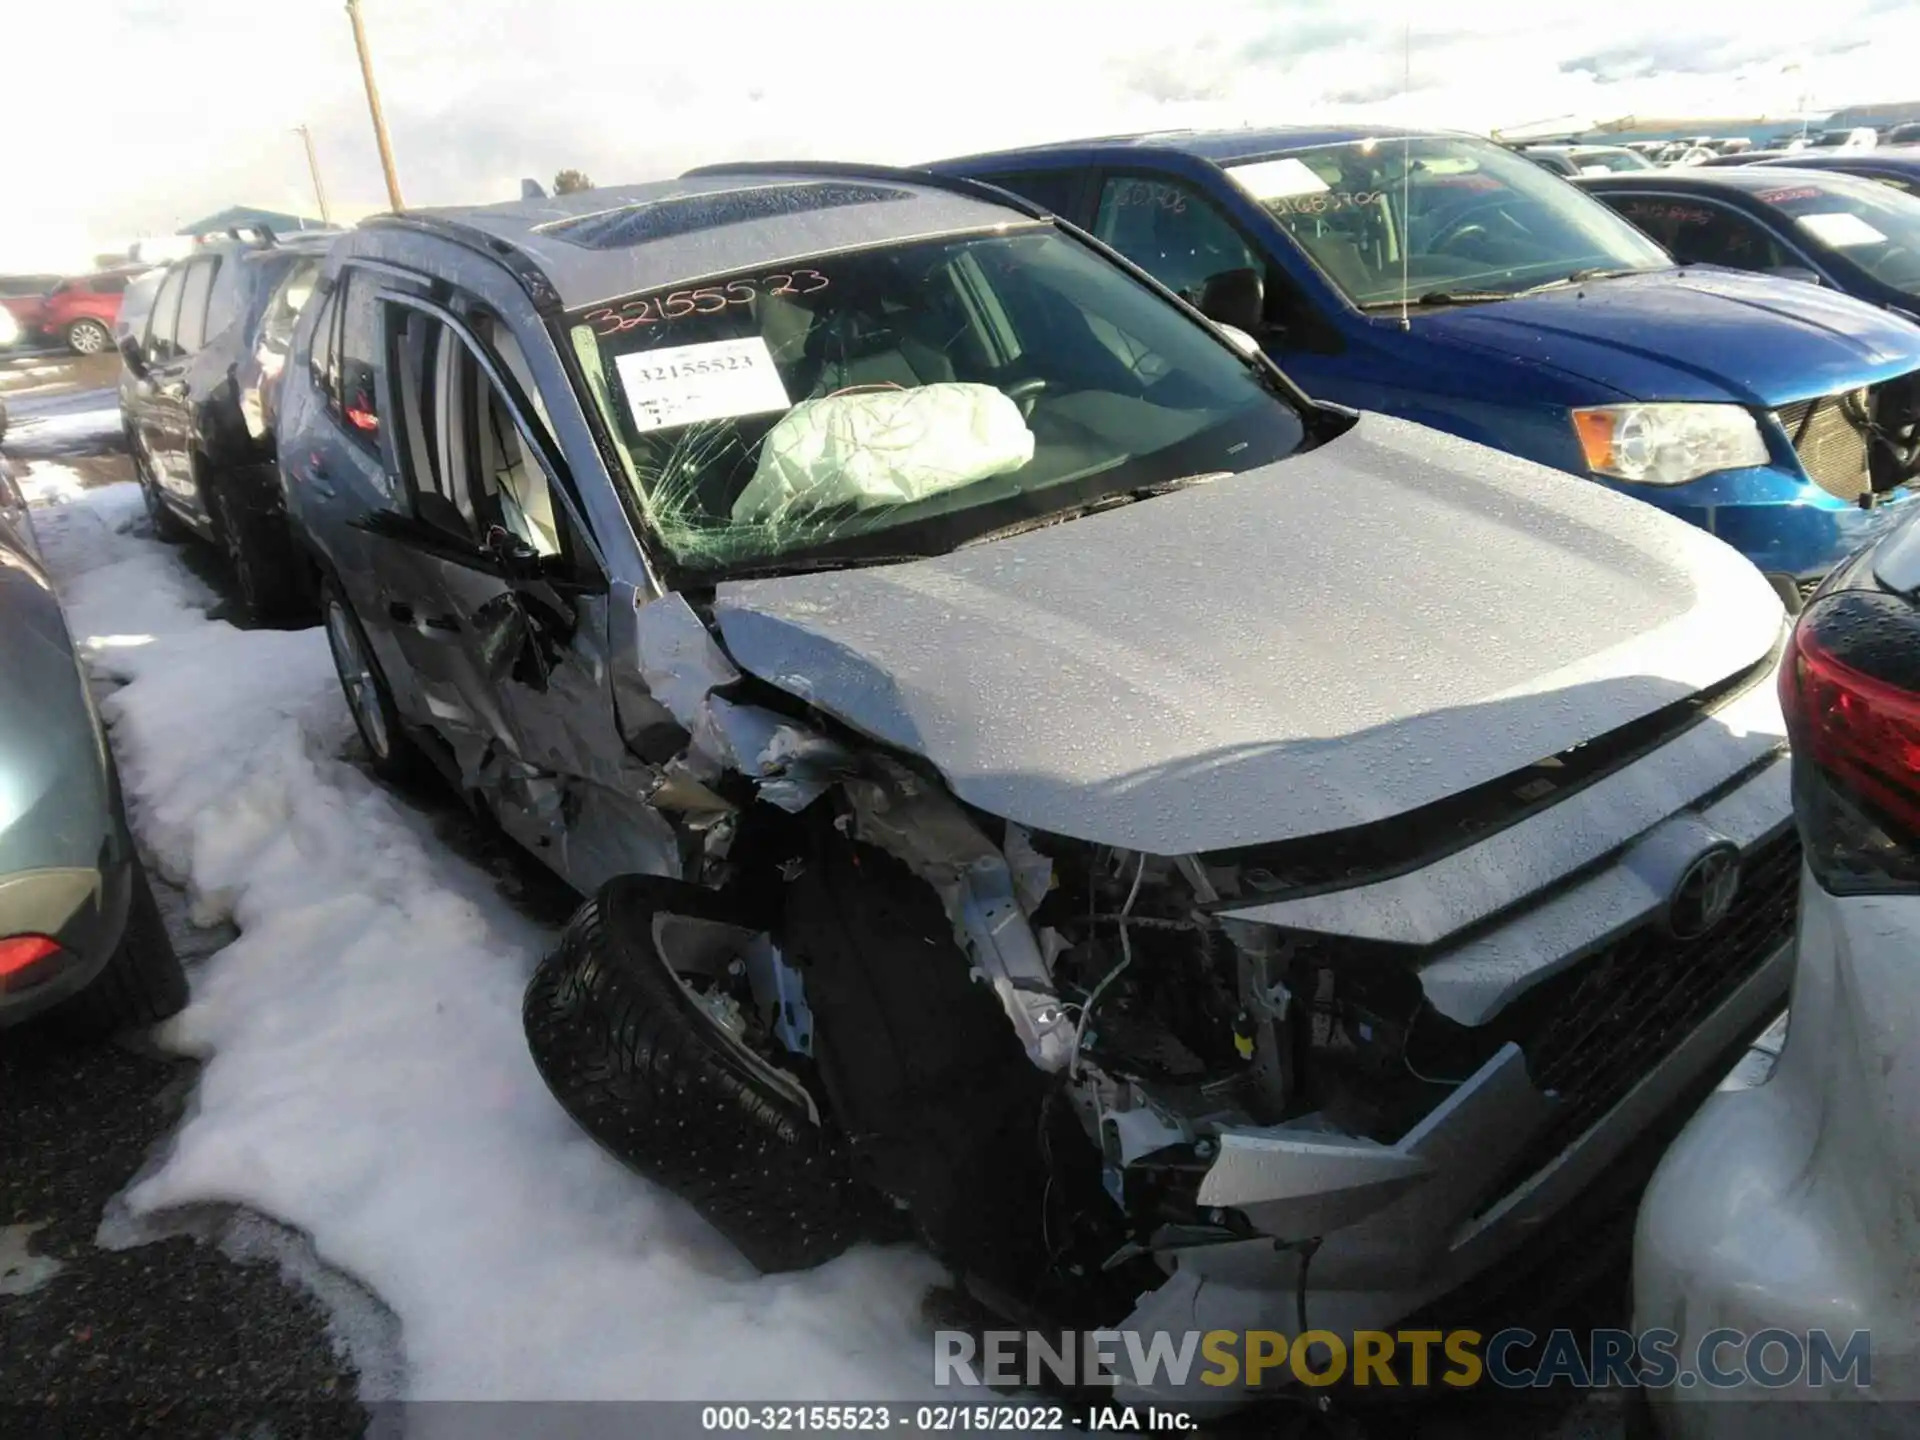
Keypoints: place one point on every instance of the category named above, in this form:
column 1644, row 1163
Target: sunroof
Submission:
column 685, row 214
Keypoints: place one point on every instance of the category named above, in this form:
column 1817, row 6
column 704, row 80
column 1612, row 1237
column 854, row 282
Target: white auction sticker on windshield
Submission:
column 686, row 384
column 1278, row 179
column 1839, row 229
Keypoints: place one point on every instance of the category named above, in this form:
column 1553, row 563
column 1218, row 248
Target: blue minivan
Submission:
column 1447, row 280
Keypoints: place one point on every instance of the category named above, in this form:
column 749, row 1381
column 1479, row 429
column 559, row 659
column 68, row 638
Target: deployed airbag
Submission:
column 883, row 447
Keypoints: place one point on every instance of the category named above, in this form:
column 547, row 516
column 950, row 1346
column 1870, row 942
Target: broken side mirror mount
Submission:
column 1796, row 272
column 516, row 558
column 134, row 357
column 1242, row 341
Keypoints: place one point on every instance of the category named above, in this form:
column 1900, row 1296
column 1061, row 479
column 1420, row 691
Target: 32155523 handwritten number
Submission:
column 707, row 300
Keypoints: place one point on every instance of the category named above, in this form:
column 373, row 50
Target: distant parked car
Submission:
column 1895, row 165
column 1516, row 310
column 1908, row 134
column 195, row 399
column 25, row 298
column 1586, row 159
column 80, row 312
column 1853, row 235
column 80, row 932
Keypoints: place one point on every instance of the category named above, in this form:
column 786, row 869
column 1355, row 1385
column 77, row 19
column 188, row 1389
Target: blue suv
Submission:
column 1447, row 280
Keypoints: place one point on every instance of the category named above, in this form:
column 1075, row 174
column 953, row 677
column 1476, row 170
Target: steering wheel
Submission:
column 1466, row 227
column 1025, row 392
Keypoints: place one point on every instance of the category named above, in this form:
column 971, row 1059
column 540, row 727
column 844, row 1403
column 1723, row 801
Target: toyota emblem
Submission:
column 1705, row 893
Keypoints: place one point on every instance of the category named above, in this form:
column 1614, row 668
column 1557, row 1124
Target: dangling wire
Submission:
column 1126, row 959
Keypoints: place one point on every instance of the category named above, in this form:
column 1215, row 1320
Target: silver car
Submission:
column 1198, row 858
column 80, row 933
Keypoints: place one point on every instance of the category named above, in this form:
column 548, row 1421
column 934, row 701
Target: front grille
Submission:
column 1633, row 1003
column 1831, row 444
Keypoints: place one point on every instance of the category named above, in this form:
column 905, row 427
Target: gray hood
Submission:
column 1324, row 642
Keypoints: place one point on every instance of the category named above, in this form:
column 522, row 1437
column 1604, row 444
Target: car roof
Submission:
column 1748, row 179
column 1223, row 147
column 1893, row 157
column 596, row 245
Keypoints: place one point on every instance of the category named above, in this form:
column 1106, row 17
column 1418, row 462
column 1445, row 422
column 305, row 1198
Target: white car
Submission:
column 1794, row 1205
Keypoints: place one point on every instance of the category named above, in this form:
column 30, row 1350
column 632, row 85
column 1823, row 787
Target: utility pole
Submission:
column 313, row 167
column 373, row 106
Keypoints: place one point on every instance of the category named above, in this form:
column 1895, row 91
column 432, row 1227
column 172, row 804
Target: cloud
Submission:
column 192, row 107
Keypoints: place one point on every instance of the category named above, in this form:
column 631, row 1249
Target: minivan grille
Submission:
column 1633, row 1003
column 1831, row 445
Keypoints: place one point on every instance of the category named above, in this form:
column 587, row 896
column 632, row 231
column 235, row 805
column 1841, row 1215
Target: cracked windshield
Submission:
column 910, row 398
column 1438, row 220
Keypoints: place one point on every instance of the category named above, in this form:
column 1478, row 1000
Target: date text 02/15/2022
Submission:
column 943, row 1419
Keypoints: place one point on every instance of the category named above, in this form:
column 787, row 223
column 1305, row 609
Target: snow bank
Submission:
column 367, row 1080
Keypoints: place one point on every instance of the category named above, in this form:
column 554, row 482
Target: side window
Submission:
column 358, row 373
column 191, row 331
column 471, row 467
column 322, row 363
column 166, row 306
column 1699, row 233
column 109, row 284
column 1173, row 233
column 283, row 310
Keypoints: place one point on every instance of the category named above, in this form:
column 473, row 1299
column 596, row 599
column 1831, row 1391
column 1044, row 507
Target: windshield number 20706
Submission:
column 710, row 300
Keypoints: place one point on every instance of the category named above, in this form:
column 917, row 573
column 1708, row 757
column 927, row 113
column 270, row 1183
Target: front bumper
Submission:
column 1795, row 1204
column 1784, row 523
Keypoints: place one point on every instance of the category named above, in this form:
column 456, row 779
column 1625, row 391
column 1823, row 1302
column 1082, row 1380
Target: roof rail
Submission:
column 530, row 277
column 853, row 170
column 255, row 234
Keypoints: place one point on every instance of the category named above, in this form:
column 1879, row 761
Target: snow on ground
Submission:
column 47, row 482
column 48, row 425
column 367, row 1079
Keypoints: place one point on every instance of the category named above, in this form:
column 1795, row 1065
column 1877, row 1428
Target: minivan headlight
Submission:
column 1668, row 444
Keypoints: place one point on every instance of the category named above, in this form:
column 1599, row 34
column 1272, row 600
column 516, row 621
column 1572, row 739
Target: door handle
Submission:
column 403, row 614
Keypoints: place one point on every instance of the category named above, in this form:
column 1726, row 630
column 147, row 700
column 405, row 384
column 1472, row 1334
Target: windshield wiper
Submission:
column 813, row 564
column 1444, row 297
column 1113, row 500
column 1580, row 277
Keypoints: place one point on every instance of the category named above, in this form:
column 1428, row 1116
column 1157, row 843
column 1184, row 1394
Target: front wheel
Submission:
column 633, row 1027
column 87, row 336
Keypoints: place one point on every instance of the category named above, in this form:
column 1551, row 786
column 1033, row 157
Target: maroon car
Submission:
column 81, row 311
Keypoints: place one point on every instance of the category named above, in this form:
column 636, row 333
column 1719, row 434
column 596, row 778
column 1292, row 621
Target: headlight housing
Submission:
column 1668, row 444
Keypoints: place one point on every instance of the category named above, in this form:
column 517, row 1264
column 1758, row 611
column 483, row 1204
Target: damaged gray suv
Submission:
column 1193, row 857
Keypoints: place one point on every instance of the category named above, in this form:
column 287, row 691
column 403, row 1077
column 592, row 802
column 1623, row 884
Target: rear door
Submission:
column 173, row 397
column 144, row 417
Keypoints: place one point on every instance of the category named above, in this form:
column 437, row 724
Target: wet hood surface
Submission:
column 1696, row 334
column 1320, row 643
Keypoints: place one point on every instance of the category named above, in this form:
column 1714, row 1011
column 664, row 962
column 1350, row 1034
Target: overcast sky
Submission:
column 130, row 117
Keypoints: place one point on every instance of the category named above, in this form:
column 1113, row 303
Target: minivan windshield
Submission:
column 1436, row 218
column 905, row 399
column 1856, row 222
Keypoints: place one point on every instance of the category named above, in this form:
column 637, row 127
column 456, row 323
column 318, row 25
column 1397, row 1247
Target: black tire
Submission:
column 653, row 1077
column 87, row 336
column 390, row 750
column 143, row 982
column 261, row 556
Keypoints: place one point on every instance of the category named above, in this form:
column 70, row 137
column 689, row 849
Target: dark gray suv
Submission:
column 1046, row 785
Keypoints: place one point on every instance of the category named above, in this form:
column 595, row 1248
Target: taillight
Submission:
column 21, row 952
column 1850, row 689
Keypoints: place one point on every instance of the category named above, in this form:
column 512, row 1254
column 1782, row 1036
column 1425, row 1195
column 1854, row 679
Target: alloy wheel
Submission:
column 350, row 658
